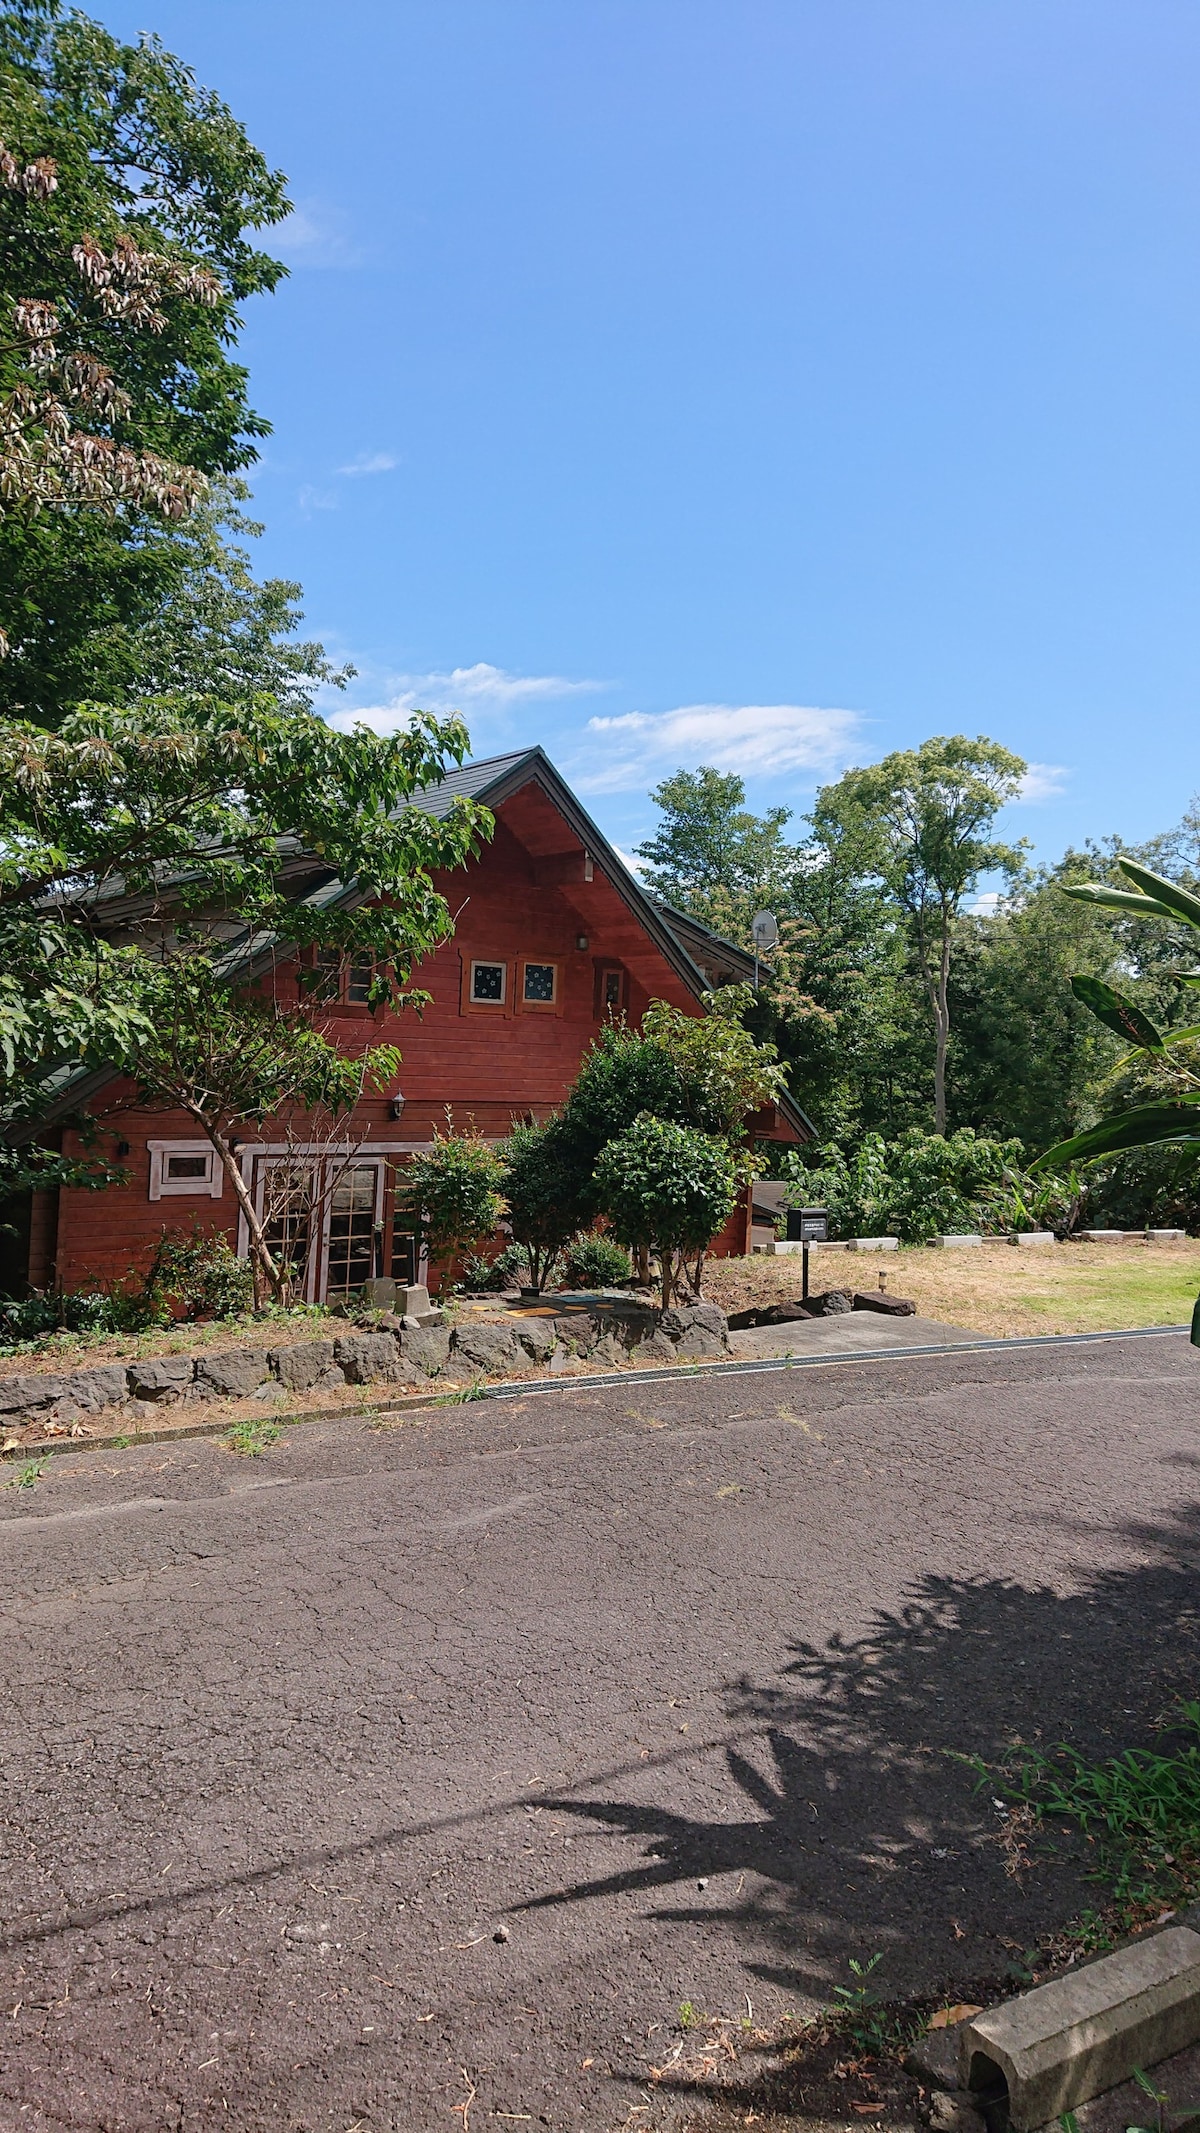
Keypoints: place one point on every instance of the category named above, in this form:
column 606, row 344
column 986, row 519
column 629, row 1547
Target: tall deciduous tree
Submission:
column 126, row 196
column 925, row 816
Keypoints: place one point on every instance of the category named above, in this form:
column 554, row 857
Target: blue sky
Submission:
column 765, row 383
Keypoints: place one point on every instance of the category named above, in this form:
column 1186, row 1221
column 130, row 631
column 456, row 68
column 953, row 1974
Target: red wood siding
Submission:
column 524, row 898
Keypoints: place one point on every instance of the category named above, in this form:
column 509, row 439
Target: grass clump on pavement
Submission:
column 251, row 1438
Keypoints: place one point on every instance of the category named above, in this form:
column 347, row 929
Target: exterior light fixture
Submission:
column 581, row 941
column 396, row 1106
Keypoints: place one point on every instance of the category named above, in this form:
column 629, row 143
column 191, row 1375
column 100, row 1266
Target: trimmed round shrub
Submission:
column 595, row 1261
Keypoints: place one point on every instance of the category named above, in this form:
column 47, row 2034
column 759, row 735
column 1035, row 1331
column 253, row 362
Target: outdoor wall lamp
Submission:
column 581, row 941
column 395, row 1106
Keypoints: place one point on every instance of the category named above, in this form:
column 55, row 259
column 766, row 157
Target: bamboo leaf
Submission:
column 1117, row 1013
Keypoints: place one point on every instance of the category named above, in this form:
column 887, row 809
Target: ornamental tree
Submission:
column 454, row 1190
column 544, row 1190
column 667, row 1188
column 137, row 846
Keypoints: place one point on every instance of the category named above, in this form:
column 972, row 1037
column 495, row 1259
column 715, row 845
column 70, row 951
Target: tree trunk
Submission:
column 264, row 1265
column 941, row 1019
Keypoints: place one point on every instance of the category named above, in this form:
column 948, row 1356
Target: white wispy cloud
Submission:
column 478, row 691
column 371, row 463
column 311, row 499
column 756, row 740
column 315, row 234
column 1043, row 781
column 987, row 905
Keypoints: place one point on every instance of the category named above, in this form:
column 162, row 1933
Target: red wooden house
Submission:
column 553, row 936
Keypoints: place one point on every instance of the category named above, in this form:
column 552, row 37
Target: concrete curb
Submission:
column 520, row 1388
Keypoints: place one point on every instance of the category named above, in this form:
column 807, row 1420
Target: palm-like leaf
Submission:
column 1117, row 1013
column 1179, row 902
column 1144, row 1127
column 1095, row 892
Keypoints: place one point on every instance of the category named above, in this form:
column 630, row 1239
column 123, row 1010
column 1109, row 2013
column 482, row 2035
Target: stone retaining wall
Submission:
column 383, row 1351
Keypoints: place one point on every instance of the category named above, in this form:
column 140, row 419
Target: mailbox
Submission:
column 808, row 1225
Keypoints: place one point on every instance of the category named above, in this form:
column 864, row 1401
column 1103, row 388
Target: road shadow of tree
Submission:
column 854, row 1823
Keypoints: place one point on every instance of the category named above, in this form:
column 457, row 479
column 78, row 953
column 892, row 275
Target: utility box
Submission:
column 808, row 1225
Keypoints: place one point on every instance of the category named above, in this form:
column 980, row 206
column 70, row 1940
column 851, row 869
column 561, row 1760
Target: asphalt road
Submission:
column 401, row 1771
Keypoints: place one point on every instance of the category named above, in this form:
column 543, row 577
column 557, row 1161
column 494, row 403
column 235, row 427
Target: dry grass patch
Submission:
column 994, row 1288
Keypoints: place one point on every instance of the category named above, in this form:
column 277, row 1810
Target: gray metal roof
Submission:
column 472, row 782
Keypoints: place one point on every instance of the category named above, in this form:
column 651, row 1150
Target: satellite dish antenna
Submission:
column 764, row 931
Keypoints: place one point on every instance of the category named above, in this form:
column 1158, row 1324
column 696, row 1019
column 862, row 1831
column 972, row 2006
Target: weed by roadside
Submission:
column 27, row 1477
column 252, row 1438
column 1141, row 1809
column 476, row 1390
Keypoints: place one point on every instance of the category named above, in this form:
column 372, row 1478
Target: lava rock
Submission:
column 428, row 1349
column 364, row 1356
column 161, row 1378
column 106, row 1386
column 24, row 1395
column 486, row 1346
column 878, row 1300
column 305, row 1363
column 233, row 1373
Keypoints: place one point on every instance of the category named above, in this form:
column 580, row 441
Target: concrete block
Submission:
column 1101, row 1236
column 951, row 1243
column 1030, row 1238
column 1166, row 1236
column 1068, row 2041
column 874, row 1244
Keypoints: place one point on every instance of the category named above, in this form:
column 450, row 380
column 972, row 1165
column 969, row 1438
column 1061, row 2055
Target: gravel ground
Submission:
column 400, row 1777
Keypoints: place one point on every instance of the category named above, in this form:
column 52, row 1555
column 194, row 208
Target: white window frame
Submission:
column 490, row 962
column 162, row 1187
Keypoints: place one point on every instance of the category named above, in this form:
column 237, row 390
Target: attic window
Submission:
column 488, row 984
column 343, row 979
column 540, row 983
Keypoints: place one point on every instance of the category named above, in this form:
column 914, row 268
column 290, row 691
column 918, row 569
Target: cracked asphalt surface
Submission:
column 404, row 1770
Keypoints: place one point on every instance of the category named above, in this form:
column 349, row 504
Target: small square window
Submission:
column 487, row 983
column 539, row 982
column 183, row 1167
column 358, row 987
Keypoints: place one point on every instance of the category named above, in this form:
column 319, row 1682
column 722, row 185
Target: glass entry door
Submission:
column 350, row 1245
column 324, row 1215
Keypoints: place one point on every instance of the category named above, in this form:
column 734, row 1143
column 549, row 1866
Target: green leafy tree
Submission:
column 667, row 1188
column 724, row 1073
column 454, row 1190
column 711, row 856
column 227, row 1058
column 132, row 841
column 126, row 198
column 923, row 818
column 544, row 1191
